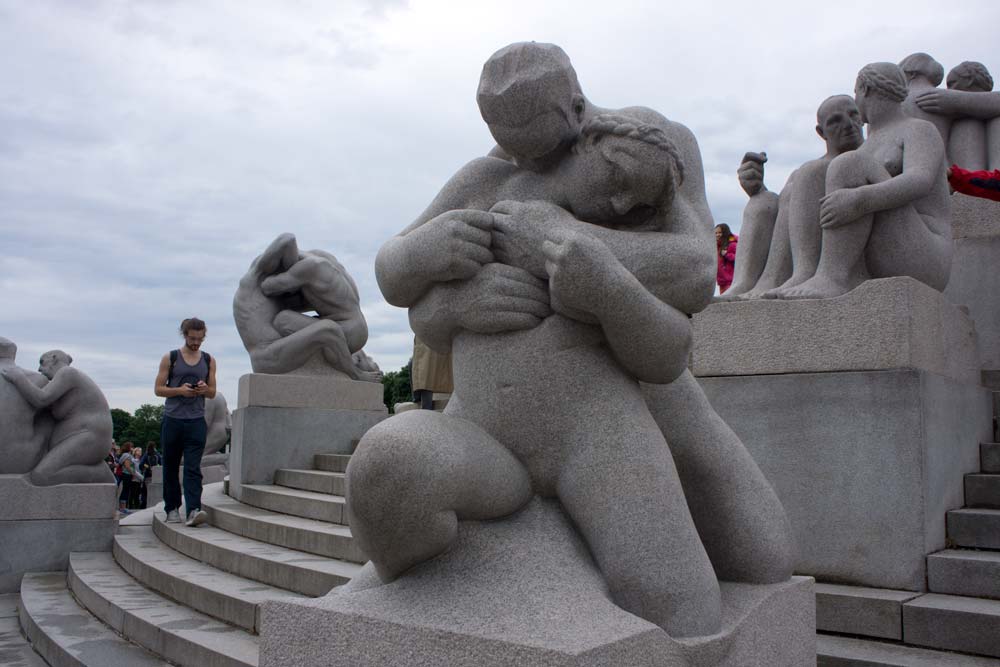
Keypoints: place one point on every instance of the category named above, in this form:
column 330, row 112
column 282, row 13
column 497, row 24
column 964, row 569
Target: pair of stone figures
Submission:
column 559, row 271
column 800, row 244
column 56, row 423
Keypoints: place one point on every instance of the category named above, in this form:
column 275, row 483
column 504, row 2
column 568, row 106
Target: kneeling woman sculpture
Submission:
column 552, row 324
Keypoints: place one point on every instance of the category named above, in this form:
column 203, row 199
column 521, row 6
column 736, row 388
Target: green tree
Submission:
column 396, row 386
column 121, row 421
column 144, row 426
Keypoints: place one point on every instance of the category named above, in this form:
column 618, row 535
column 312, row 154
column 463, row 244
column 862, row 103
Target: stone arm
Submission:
column 923, row 157
column 46, row 395
column 280, row 255
column 962, row 103
column 650, row 338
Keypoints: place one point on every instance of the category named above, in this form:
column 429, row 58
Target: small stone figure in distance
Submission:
column 283, row 284
column 81, row 434
column 887, row 211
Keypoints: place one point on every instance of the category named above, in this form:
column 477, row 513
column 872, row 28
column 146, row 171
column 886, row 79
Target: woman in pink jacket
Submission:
column 725, row 246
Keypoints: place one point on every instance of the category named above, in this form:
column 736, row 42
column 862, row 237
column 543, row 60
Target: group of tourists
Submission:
column 133, row 470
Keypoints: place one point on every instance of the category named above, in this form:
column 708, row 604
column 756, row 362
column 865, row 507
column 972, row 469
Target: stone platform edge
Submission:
column 309, row 391
column 883, row 324
column 21, row 500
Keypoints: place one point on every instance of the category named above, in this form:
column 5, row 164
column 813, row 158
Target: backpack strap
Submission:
column 173, row 360
column 208, row 363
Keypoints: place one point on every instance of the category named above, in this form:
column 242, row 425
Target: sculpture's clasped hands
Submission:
column 580, row 269
column 519, row 229
column 502, row 298
column 452, row 246
column 841, row 207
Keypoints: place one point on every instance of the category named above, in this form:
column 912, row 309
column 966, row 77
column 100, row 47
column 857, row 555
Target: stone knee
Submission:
column 415, row 475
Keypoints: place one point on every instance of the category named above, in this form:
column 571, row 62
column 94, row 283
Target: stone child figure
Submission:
column 605, row 283
column 887, row 208
column 788, row 255
column 974, row 111
column 283, row 284
column 81, row 435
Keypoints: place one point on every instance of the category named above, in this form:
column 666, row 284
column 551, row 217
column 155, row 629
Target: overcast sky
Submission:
column 149, row 150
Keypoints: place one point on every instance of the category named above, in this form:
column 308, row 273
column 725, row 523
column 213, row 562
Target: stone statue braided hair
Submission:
column 617, row 125
column 970, row 75
column 884, row 79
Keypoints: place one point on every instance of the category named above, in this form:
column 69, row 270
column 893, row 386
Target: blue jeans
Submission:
column 182, row 437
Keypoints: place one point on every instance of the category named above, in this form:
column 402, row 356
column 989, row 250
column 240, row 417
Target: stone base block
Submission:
column 265, row 439
column 866, row 464
column 309, row 391
column 45, row 545
column 21, row 500
column 975, row 284
column 524, row 591
column 881, row 325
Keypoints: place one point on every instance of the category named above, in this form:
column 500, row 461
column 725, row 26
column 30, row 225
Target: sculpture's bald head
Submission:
column 530, row 98
column 8, row 350
column 922, row 65
column 838, row 122
column 53, row 360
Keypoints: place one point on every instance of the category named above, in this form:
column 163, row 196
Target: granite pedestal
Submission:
column 975, row 281
column 40, row 526
column 524, row 590
column 283, row 421
column 864, row 412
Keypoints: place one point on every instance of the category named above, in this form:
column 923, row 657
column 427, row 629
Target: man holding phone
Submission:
column 186, row 378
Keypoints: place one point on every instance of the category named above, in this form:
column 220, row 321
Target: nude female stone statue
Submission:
column 510, row 353
column 887, row 208
column 81, row 435
column 284, row 283
column 26, row 430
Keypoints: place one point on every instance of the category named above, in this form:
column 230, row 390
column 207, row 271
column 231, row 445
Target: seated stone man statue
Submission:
column 270, row 306
column 781, row 236
column 81, row 435
column 616, row 319
column 24, row 438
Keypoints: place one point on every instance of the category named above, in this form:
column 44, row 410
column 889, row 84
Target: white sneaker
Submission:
column 173, row 516
column 196, row 518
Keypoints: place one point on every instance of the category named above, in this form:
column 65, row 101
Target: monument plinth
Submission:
column 526, row 591
column 282, row 421
column 864, row 412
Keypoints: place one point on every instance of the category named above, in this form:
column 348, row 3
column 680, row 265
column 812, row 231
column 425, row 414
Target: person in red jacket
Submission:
column 725, row 245
column 985, row 184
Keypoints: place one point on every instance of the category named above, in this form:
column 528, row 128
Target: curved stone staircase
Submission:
column 169, row 594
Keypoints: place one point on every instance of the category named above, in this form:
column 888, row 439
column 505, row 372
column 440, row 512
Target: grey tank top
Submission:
column 180, row 407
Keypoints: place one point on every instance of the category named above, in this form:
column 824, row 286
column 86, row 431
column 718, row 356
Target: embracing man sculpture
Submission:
column 560, row 271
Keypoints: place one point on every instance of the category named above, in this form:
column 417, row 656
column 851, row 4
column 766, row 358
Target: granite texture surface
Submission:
column 45, row 545
column 524, row 590
column 328, row 392
column 20, row 500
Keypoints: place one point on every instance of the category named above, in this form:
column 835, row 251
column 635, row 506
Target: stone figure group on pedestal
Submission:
column 874, row 208
column 560, row 272
column 56, row 423
column 271, row 309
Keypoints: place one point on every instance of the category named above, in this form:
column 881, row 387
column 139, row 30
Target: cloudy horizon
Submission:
column 150, row 150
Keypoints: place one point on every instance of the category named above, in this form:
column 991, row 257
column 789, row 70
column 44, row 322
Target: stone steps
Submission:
column 331, row 462
column 67, row 635
column 975, row 528
column 953, row 623
column 834, row 651
column 855, row 610
column 306, row 504
column 204, row 588
column 278, row 566
column 15, row 651
column 181, row 635
column 989, row 457
column 982, row 490
column 964, row 572
column 309, row 535
column 319, row 481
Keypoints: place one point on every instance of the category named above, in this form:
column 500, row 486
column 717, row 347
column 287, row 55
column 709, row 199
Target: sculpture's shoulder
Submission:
column 475, row 184
column 812, row 170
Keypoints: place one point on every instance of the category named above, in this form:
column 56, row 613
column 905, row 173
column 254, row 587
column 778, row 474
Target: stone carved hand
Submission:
column 751, row 173
column 519, row 230
column 13, row 374
column 502, row 298
column 452, row 246
column 939, row 102
column 841, row 207
column 580, row 268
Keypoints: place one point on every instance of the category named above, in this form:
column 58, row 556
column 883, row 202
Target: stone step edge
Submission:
column 337, row 461
column 313, row 505
column 285, row 477
column 137, row 627
column 844, row 651
column 218, row 595
column 51, row 650
column 875, row 613
column 224, row 513
column 241, row 561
